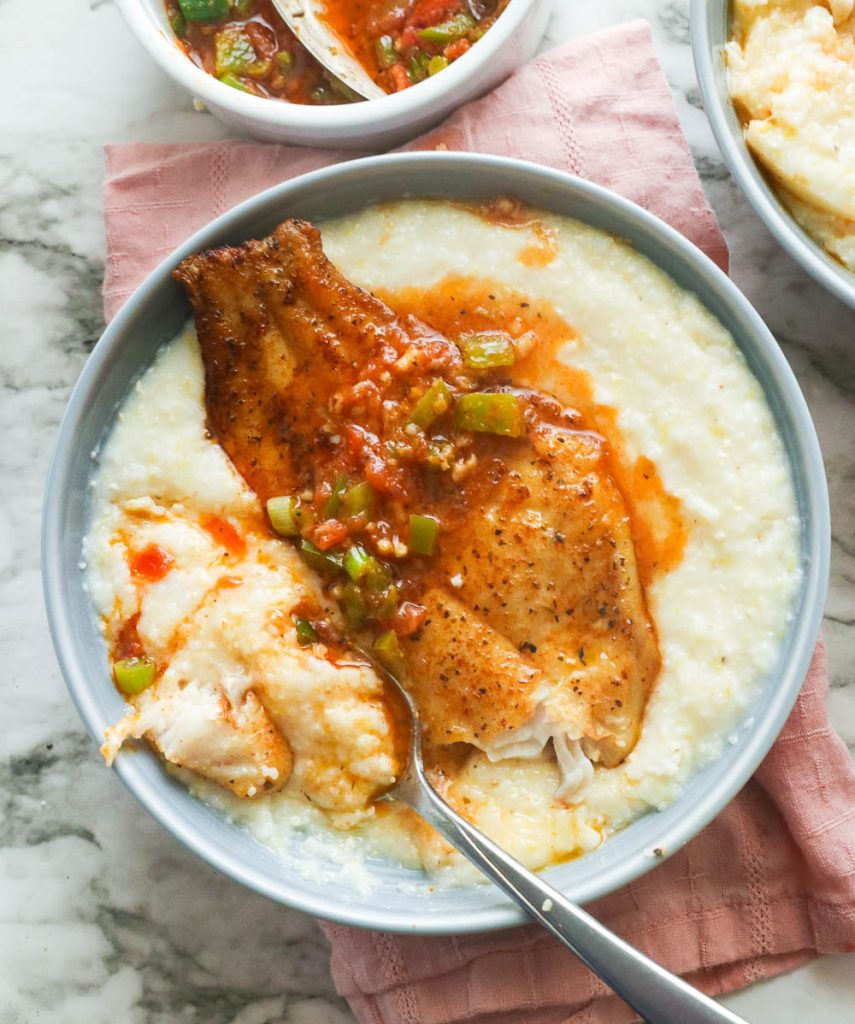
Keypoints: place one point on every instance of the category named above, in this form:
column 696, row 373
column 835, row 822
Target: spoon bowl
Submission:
column 304, row 18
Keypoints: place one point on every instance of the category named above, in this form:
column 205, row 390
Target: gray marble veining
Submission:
column 103, row 917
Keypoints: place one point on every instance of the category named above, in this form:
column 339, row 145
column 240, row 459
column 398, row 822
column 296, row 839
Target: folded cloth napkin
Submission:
column 771, row 883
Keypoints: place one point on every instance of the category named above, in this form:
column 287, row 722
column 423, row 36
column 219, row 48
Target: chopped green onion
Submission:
column 306, row 632
column 491, row 413
column 358, row 500
column 418, row 66
column 384, row 48
column 388, row 652
column 487, row 351
column 233, row 51
column 333, row 502
column 287, row 516
column 436, row 65
column 448, row 31
column 354, row 606
column 233, row 81
column 433, row 403
column 323, row 561
column 133, row 675
column 423, row 535
column 204, row 10
column 285, row 60
column 358, row 562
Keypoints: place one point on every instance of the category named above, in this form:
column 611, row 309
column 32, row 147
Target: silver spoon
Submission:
column 305, row 19
column 654, row 993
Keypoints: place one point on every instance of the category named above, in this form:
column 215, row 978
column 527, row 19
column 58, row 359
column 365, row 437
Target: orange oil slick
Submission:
column 223, row 533
column 151, row 564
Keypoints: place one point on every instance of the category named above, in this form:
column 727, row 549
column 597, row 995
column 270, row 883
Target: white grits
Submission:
column 685, row 399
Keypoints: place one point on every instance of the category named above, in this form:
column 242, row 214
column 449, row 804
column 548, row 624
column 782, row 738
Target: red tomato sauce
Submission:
column 399, row 43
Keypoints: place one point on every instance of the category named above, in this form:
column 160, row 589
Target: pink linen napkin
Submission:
column 771, row 883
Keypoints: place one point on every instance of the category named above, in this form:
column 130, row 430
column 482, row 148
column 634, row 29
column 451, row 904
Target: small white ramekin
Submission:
column 375, row 124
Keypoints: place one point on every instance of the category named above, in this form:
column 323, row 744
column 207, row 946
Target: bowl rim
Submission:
column 436, row 92
column 804, row 249
column 757, row 740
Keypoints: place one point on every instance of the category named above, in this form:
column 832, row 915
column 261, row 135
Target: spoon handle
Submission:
column 657, row 995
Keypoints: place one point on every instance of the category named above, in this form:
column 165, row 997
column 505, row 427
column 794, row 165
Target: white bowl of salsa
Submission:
column 255, row 100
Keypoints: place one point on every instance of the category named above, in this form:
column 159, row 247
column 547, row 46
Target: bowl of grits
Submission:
column 571, row 494
column 424, row 58
column 777, row 81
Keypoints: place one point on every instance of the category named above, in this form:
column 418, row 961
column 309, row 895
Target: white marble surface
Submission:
column 103, row 917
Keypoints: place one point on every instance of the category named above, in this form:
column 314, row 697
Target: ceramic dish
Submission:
column 401, row 900
column 372, row 125
column 710, row 26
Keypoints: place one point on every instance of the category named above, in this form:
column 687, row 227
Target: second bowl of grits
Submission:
column 569, row 493
column 778, row 79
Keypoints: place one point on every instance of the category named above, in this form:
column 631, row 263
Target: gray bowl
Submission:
column 401, row 900
column 710, row 28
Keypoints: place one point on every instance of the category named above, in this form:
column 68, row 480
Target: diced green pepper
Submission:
column 234, row 52
column 378, row 577
column 436, row 65
column 384, row 605
column 448, row 31
column 386, row 53
column 233, row 81
column 288, row 516
column 388, row 652
column 423, row 534
column 285, row 60
column 177, row 21
column 133, row 675
column 333, row 502
column 358, row 500
column 306, row 632
column 491, row 413
column 323, row 561
column 204, row 10
column 341, row 89
column 358, row 563
column 418, row 66
column 440, row 454
column 433, row 403
column 487, row 351
column 354, row 606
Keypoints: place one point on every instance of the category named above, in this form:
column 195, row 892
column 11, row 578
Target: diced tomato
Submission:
column 128, row 643
column 409, row 618
column 382, row 476
column 432, row 12
column 354, row 437
column 409, row 37
column 400, row 78
column 329, row 533
column 152, row 563
column 224, row 533
column 456, row 49
column 263, row 39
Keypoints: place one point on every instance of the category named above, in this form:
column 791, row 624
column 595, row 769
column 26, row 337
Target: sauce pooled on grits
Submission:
column 419, row 470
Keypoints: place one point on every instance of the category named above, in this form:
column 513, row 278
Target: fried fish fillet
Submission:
column 536, row 627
